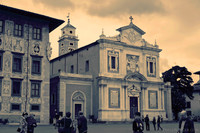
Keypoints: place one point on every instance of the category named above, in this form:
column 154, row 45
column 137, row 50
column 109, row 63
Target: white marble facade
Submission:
column 125, row 76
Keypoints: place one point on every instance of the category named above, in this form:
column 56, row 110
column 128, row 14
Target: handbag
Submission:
column 18, row 129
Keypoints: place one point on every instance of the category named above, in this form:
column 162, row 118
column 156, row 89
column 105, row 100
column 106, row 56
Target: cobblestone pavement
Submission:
column 103, row 128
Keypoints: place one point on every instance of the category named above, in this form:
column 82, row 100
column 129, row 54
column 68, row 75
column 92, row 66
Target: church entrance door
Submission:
column 133, row 106
column 77, row 109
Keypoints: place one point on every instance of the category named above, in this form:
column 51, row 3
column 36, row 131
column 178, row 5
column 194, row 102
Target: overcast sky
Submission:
column 174, row 24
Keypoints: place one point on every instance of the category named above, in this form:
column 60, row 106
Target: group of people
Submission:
column 158, row 122
column 66, row 125
column 27, row 123
column 186, row 124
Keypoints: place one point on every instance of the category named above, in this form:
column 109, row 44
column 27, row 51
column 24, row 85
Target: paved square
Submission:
column 103, row 128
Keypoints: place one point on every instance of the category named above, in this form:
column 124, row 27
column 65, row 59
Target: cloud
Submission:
column 108, row 8
column 56, row 4
column 116, row 7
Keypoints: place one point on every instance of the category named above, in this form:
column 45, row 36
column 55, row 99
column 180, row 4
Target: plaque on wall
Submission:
column 153, row 100
column 114, row 98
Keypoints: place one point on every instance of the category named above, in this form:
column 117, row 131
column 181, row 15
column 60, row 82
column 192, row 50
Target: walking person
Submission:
column 82, row 123
column 138, row 125
column 147, row 123
column 154, row 123
column 66, row 124
column 186, row 125
column 23, row 124
column 158, row 123
column 31, row 123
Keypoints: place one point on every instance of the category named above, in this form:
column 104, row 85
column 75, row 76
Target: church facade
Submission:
column 111, row 78
column 24, row 63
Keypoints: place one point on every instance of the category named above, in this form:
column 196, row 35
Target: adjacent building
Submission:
column 111, row 78
column 24, row 63
column 194, row 105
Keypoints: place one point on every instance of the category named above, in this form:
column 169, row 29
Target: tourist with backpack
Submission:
column 138, row 125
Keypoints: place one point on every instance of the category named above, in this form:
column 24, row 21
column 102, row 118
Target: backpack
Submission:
column 140, row 125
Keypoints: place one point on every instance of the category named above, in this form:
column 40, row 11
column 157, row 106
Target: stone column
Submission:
column 124, row 89
column 169, row 102
column 105, row 97
column 143, row 99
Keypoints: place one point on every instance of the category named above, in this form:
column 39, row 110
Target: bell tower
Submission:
column 68, row 40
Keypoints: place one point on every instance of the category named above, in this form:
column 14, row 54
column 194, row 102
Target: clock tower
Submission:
column 68, row 40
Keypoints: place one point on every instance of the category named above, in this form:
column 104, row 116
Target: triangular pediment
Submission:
column 78, row 98
column 131, row 26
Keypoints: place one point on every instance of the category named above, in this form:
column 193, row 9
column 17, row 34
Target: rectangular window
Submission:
column 113, row 62
column 1, row 61
column 1, row 26
column 16, row 87
column 37, row 33
column 72, row 69
column 36, row 65
column 35, row 107
column 151, row 66
column 35, row 88
column 15, row 107
column 18, row 30
column 17, row 63
column 87, row 66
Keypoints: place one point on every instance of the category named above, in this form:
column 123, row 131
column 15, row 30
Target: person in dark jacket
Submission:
column 82, row 123
column 31, row 123
column 188, row 127
column 158, row 123
column 147, row 123
column 66, row 124
column 138, row 125
column 154, row 123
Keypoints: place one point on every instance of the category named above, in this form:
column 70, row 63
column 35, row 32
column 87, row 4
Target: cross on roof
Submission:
column 68, row 18
column 131, row 18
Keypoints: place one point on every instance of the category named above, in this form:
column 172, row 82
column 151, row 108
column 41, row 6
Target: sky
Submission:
column 174, row 24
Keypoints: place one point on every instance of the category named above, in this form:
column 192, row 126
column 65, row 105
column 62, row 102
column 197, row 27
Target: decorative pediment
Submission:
column 78, row 96
column 133, row 90
column 135, row 76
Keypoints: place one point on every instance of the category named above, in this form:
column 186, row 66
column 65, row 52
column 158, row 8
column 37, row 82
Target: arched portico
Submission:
column 134, row 82
column 78, row 103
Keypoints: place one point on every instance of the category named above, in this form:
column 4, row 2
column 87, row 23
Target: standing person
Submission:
column 138, row 125
column 23, row 124
column 147, row 123
column 142, row 118
column 82, row 123
column 158, row 123
column 66, row 123
column 186, row 123
column 154, row 123
column 31, row 123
